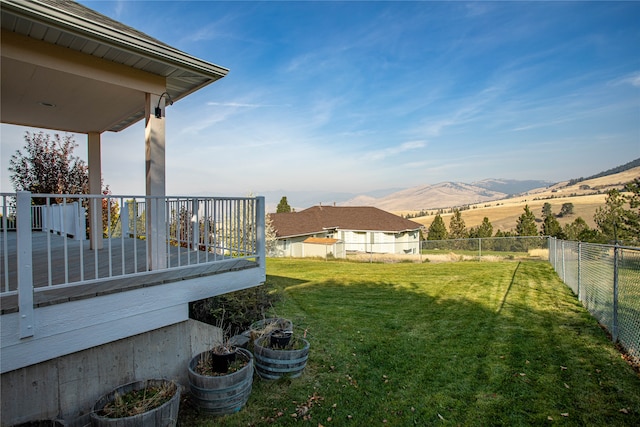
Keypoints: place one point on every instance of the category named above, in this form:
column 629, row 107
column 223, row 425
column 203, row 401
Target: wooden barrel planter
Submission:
column 165, row 415
column 221, row 394
column 274, row 363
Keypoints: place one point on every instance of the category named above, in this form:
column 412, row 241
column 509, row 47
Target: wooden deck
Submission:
column 121, row 265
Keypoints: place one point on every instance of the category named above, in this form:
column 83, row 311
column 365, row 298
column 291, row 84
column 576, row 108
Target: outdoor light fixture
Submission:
column 158, row 109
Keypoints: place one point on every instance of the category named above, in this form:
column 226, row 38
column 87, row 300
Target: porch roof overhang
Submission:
column 66, row 67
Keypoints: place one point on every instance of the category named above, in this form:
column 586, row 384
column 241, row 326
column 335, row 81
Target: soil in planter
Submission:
column 215, row 365
column 138, row 402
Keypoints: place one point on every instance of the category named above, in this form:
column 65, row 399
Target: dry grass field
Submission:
column 503, row 214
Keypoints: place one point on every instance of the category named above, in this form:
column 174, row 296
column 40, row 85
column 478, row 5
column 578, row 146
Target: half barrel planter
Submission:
column 165, row 415
column 272, row 363
column 221, row 394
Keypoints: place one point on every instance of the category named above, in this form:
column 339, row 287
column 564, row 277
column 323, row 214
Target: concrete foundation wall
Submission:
column 67, row 387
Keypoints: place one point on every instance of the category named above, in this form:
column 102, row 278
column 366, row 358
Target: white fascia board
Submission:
column 61, row 19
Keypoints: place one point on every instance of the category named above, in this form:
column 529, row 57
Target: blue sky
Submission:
column 361, row 96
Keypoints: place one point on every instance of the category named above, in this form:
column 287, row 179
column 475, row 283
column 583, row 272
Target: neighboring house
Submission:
column 344, row 229
column 79, row 316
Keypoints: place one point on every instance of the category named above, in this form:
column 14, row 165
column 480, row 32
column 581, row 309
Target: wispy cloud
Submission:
column 243, row 105
column 392, row 151
column 632, row 79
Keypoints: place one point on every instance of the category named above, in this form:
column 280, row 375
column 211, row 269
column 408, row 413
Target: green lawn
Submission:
column 467, row 343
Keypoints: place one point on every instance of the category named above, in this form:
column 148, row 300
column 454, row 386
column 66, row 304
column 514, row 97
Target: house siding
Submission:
column 362, row 229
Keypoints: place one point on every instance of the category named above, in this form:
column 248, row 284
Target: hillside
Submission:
column 586, row 195
column 445, row 194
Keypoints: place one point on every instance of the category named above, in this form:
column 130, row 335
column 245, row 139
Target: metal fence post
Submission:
column 580, row 271
column 564, row 270
column 614, row 332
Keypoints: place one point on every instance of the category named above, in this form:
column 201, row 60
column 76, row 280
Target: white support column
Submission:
column 95, row 187
column 154, row 138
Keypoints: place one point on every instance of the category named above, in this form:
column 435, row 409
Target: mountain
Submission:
column 441, row 195
column 511, row 186
column 446, row 194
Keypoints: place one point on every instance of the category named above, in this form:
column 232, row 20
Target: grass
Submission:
column 476, row 344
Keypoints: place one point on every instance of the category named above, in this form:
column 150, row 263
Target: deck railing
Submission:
column 42, row 247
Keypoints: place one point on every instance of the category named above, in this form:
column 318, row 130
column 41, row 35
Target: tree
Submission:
column 610, row 217
column 457, row 228
column 578, row 230
column 550, row 225
column 526, row 224
column 47, row 166
column 270, row 239
column 631, row 217
column 437, row 229
column 566, row 209
column 482, row 231
column 283, row 206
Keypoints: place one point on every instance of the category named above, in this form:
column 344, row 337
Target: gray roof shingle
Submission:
column 320, row 218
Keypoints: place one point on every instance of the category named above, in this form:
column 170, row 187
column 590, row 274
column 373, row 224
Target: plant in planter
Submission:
column 141, row 403
column 221, row 380
column 274, row 360
column 268, row 326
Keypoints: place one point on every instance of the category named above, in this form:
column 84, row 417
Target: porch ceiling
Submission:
column 34, row 93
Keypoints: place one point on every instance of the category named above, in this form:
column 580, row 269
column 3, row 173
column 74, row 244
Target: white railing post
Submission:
column 260, row 230
column 25, row 263
column 124, row 219
column 195, row 226
column 156, row 232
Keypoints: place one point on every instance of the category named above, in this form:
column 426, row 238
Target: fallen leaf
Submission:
column 335, row 405
column 566, row 385
column 624, row 410
column 413, row 409
column 563, row 368
column 550, row 418
column 526, row 362
column 565, row 414
column 522, row 374
column 329, row 419
column 349, row 416
column 441, row 417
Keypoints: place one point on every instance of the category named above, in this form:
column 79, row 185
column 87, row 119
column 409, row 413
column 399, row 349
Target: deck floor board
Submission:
column 116, row 264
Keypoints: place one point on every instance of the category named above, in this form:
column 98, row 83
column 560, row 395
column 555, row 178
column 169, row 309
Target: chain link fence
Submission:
column 606, row 279
column 487, row 247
